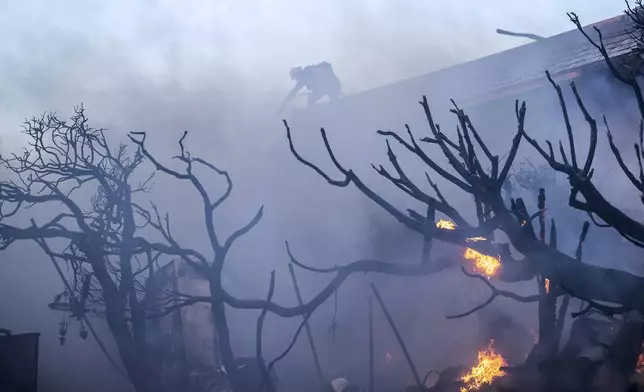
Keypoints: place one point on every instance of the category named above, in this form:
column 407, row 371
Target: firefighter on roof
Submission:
column 319, row 80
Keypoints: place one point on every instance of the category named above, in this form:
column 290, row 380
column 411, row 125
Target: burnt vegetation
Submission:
column 113, row 240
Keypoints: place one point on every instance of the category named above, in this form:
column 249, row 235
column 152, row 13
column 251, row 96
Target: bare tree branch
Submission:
column 495, row 293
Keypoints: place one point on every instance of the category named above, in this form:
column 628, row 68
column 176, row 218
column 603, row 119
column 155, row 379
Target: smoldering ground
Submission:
column 218, row 69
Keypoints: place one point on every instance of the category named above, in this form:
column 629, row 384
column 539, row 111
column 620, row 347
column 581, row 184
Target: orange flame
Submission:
column 476, row 239
column 488, row 369
column 445, row 224
column 483, row 264
column 546, row 284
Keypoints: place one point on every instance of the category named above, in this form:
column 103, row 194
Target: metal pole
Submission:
column 371, row 353
column 398, row 337
column 316, row 359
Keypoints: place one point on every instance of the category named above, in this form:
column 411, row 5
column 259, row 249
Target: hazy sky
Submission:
column 54, row 47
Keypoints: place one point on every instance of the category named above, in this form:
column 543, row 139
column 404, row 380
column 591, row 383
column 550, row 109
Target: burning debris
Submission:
column 446, row 224
column 487, row 370
column 639, row 367
column 546, row 285
column 483, row 264
column 512, row 339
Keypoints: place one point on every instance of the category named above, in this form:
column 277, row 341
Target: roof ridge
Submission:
column 578, row 43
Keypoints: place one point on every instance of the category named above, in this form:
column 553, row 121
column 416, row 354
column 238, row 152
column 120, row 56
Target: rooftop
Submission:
column 560, row 54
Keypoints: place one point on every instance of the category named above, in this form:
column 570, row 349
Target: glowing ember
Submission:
column 445, row 224
column 483, row 264
column 475, row 239
column 546, row 284
column 488, row 369
column 640, row 364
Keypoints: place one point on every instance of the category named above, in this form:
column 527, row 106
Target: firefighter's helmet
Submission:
column 294, row 72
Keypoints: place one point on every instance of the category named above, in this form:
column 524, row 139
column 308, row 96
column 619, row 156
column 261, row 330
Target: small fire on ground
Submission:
column 445, row 224
column 476, row 239
column 483, row 264
column 487, row 370
column 546, row 285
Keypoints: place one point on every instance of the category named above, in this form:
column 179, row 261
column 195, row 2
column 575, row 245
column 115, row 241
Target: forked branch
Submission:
column 495, row 292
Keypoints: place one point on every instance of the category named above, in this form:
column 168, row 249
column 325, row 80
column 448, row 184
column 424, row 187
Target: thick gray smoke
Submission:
column 219, row 70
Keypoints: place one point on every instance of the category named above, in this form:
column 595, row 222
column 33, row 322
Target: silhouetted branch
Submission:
column 244, row 229
column 582, row 238
column 608, row 310
column 631, row 177
column 531, row 36
column 288, row 349
column 520, row 115
column 306, row 267
column 581, row 180
column 539, row 258
column 582, row 311
column 630, row 81
column 495, row 293
column 367, row 266
column 341, row 183
column 210, row 269
column 564, row 111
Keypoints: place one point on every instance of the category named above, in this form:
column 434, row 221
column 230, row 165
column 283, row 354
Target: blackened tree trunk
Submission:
column 209, row 268
column 222, row 333
column 129, row 335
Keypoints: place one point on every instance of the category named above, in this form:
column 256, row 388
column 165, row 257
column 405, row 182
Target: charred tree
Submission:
column 558, row 274
column 72, row 165
column 468, row 173
column 210, row 267
column 581, row 176
column 99, row 236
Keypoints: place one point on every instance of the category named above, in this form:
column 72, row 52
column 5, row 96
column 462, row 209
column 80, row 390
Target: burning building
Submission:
column 486, row 89
column 184, row 338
